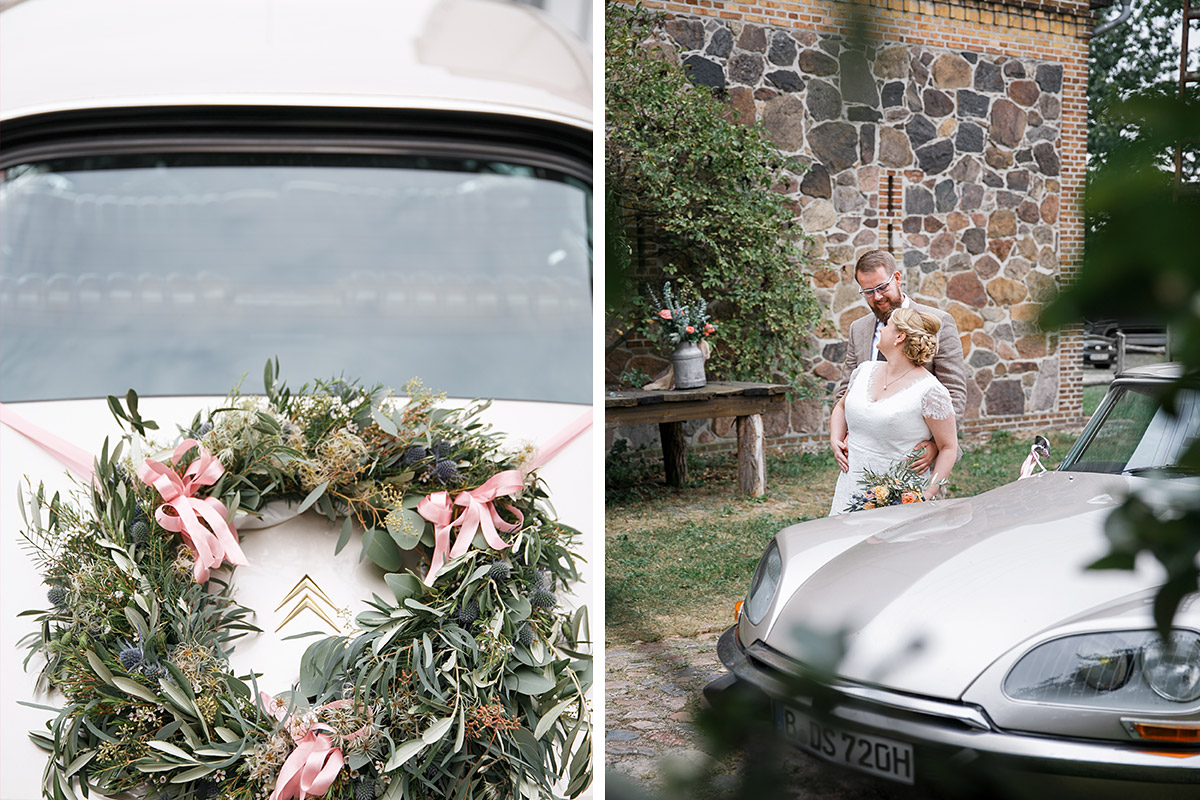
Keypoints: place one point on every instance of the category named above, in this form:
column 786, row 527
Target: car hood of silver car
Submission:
column 928, row 596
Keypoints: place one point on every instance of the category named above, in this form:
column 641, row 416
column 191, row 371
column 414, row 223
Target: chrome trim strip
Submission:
column 967, row 715
column 971, row 717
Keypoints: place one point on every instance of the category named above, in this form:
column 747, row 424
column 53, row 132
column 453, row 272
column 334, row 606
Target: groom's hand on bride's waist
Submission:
column 840, row 453
column 926, row 453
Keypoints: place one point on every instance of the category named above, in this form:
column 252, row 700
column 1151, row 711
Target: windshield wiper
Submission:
column 1173, row 469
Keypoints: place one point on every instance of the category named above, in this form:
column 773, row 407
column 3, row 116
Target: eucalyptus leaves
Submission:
column 472, row 686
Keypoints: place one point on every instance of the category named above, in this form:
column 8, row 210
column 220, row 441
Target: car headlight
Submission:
column 764, row 584
column 1126, row 669
column 1173, row 668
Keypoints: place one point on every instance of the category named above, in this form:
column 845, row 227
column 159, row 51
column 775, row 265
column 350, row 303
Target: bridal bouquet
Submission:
column 899, row 484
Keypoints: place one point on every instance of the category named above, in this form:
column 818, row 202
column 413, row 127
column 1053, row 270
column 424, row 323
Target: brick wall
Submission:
column 957, row 140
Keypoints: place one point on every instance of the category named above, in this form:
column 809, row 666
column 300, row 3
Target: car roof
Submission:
column 1163, row 371
column 482, row 56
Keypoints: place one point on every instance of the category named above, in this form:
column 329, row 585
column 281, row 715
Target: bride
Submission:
column 892, row 406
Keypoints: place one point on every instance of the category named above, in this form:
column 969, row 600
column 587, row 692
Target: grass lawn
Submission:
column 1092, row 395
column 676, row 562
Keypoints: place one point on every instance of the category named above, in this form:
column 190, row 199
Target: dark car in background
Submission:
column 1099, row 351
column 1138, row 332
column 1102, row 339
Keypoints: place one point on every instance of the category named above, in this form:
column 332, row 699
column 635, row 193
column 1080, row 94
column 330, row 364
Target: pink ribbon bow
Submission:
column 313, row 766
column 479, row 513
column 211, row 541
column 310, row 769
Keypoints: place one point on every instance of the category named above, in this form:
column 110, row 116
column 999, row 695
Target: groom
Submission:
column 879, row 283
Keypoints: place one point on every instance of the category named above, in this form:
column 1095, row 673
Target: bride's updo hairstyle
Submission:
column 921, row 330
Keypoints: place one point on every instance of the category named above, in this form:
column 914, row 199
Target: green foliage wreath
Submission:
column 472, row 687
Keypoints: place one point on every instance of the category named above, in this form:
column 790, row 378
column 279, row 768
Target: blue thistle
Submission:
column 153, row 671
column 467, row 613
column 500, row 572
column 525, row 634
column 442, row 449
column 364, row 789
column 413, row 454
column 131, row 656
column 204, row 429
column 57, row 596
column 139, row 532
column 445, row 471
column 543, row 598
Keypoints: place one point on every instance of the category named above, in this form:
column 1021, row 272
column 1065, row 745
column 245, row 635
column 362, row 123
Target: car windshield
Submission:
column 178, row 273
column 1136, row 435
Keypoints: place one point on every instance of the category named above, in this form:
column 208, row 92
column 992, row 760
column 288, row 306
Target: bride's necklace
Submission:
column 888, row 383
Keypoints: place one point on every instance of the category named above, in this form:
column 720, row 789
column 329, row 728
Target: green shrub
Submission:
column 699, row 185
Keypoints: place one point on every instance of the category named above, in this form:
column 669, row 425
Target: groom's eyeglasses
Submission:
column 878, row 289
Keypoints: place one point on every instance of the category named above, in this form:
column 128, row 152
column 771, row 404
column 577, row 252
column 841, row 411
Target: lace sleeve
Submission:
column 936, row 402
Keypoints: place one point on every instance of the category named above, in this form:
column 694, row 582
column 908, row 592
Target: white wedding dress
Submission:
column 885, row 431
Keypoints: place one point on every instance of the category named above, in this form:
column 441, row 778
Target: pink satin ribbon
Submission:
column 556, row 443
column 212, row 544
column 1030, row 462
column 73, row 458
column 310, row 769
column 479, row 514
column 313, row 766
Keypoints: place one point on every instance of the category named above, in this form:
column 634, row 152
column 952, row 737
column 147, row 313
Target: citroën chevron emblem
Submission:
column 309, row 596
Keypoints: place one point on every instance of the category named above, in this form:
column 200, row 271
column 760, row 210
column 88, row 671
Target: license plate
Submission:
column 872, row 754
column 1098, row 356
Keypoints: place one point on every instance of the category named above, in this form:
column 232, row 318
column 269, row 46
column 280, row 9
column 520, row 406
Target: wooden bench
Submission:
column 670, row 409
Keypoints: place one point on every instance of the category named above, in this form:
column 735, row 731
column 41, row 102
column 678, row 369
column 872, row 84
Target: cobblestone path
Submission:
column 651, row 691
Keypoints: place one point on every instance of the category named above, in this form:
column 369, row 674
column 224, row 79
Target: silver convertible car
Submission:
column 965, row 642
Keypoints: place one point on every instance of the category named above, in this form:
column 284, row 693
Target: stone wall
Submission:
column 956, row 140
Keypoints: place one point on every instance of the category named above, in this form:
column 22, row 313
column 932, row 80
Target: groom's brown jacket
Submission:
column 947, row 365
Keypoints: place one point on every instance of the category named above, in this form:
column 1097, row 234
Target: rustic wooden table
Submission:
column 670, row 409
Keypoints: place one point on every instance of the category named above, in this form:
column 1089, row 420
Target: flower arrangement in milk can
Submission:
column 683, row 316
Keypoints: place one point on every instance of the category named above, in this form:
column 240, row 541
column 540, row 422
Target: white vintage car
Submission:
column 380, row 190
column 965, row 644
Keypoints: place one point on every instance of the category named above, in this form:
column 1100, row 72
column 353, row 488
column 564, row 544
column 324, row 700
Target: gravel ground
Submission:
column 651, row 691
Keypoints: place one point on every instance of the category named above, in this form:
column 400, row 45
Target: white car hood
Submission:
column 458, row 55
column 937, row 592
column 279, row 556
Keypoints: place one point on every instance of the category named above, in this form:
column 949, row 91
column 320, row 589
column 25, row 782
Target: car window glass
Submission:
column 179, row 273
column 1167, row 436
column 1137, row 434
